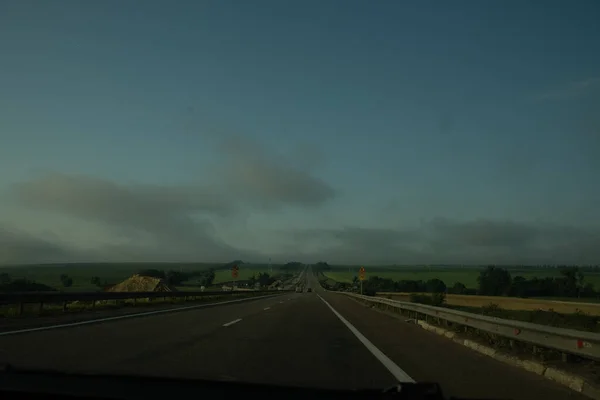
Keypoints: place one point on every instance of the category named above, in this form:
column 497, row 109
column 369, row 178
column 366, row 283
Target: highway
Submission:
column 292, row 339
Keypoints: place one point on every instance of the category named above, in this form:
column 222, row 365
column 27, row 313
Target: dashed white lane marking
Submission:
column 267, row 308
column 94, row 321
column 391, row 366
column 235, row 321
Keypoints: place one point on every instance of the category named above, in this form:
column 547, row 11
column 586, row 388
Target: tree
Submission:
column 96, row 281
column 175, row 277
column 208, row 277
column 66, row 280
column 573, row 281
column 264, row 279
column 520, row 287
column 4, row 278
column 494, row 281
column 435, row 286
column 459, row 288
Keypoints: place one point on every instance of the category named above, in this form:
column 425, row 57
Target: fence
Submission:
column 567, row 341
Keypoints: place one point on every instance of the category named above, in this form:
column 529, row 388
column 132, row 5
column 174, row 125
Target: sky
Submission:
column 354, row 132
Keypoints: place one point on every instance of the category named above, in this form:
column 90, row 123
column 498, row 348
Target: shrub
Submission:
column 434, row 299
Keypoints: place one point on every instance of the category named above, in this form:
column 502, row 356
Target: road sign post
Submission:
column 234, row 275
column 361, row 276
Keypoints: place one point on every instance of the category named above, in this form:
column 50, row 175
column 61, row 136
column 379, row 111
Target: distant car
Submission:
column 309, row 290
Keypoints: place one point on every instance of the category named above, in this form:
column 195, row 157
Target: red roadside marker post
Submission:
column 234, row 274
column 361, row 276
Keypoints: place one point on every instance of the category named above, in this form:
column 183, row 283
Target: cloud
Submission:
column 17, row 247
column 147, row 207
column 483, row 233
column 571, row 90
column 269, row 180
column 172, row 220
column 187, row 222
column 176, row 222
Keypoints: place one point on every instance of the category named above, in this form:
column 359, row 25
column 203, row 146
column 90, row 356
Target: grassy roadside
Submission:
column 509, row 303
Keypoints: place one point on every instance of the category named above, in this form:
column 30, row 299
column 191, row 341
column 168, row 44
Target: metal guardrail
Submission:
column 567, row 341
column 21, row 298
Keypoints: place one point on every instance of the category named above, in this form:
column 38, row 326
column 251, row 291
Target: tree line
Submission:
column 173, row 277
column 492, row 281
column 263, row 279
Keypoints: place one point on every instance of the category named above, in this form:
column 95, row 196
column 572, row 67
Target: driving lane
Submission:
column 428, row 357
column 292, row 339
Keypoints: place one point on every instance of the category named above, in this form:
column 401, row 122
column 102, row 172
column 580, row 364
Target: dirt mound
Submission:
column 139, row 283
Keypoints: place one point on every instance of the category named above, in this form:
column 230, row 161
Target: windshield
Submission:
column 330, row 194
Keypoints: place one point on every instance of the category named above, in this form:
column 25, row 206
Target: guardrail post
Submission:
column 20, row 308
column 65, row 305
column 134, row 301
column 41, row 307
column 93, row 304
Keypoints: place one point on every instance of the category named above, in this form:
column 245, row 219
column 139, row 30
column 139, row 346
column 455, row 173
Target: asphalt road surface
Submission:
column 292, row 339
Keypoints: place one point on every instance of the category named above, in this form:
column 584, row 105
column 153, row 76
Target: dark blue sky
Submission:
column 301, row 129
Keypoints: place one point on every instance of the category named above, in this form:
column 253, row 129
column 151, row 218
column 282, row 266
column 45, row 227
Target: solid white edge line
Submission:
column 266, row 308
column 235, row 321
column 391, row 366
column 93, row 321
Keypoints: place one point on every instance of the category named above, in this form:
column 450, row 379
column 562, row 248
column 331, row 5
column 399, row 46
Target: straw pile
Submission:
column 139, row 283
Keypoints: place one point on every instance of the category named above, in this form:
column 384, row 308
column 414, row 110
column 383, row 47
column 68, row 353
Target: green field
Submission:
column 450, row 275
column 83, row 273
column 117, row 272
